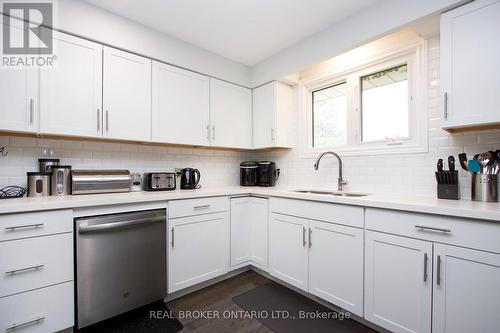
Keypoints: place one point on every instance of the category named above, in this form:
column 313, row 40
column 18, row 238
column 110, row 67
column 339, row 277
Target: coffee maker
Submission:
column 268, row 174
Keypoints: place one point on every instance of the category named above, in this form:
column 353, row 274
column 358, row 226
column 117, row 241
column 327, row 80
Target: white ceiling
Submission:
column 246, row 31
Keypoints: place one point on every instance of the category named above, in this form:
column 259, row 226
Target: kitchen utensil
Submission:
column 462, row 158
column 190, row 178
column 136, row 182
column 61, row 180
column 249, row 173
column 45, row 164
column 159, row 181
column 10, row 192
column 100, row 181
column 38, row 184
column 474, row 166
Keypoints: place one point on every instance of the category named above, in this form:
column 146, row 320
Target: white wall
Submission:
column 355, row 30
column 83, row 19
column 411, row 174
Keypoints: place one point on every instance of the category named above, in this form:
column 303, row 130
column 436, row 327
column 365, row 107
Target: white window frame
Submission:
column 414, row 55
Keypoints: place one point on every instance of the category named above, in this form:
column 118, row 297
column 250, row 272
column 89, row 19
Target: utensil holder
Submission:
column 484, row 187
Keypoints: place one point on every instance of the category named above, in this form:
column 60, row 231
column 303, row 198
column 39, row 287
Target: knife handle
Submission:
column 440, row 165
column 451, row 163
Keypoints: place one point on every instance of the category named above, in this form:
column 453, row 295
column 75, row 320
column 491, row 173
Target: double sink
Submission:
column 332, row 193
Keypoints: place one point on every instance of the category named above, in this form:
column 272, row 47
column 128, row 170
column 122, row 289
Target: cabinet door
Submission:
column 469, row 64
column 466, row 295
column 336, row 265
column 264, row 116
column 398, row 282
column 288, row 249
column 241, row 230
column 230, row 115
column 18, row 92
column 181, row 106
column 126, row 96
column 198, row 249
column 259, row 211
column 71, row 92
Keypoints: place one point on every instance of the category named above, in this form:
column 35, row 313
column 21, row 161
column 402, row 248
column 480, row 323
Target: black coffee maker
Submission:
column 190, row 179
column 249, row 173
column 268, row 174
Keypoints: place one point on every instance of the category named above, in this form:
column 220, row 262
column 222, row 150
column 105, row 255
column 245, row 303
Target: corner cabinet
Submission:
column 230, row 115
column 272, row 116
column 181, row 106
column 126, row 96
column 470, row 59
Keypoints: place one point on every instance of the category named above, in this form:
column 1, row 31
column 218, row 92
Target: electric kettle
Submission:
column 190, row 179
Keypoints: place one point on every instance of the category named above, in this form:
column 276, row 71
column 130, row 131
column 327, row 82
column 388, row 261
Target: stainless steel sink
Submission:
column 337, row 194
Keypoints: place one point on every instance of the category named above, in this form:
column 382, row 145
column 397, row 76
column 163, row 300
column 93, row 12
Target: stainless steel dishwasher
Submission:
column 121, row 263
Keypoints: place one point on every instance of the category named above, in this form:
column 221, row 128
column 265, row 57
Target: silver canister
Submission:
column 46, row 164
column 38, row 184
column 61, row 180
column 484, row 187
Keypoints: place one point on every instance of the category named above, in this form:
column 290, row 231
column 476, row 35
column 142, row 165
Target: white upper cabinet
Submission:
column 470, row 62
column 126, row 96
column 272, row 115
column 181, row 106
column 230, row 115
column 465, row 282
column 18, row 93
column 71, row 91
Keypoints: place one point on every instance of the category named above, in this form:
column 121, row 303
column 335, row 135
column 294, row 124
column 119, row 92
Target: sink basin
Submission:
column 337, row 194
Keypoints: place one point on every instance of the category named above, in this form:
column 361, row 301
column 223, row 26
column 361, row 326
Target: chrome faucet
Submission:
column 341, row 182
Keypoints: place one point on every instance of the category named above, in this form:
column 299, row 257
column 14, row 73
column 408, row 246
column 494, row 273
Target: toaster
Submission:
column 159, row 181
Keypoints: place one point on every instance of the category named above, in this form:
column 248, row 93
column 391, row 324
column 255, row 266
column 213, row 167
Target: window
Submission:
column 374, row 105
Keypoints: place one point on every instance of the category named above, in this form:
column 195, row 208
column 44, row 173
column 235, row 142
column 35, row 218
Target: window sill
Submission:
column 367, row 151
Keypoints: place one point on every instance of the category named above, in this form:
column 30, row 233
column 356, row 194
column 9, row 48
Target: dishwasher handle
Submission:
column 117, row 225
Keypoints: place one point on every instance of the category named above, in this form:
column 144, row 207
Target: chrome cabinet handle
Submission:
column 310, row 233
column 31, row 111
column 25, row 226
column 202, row 207
column 98, row 119
column 425, row 267
column 438, row 271
column 445, row 103
column 208, row 132
column 172, row 231
column 20, row 270
column 424, row 227
column 28, row 322
column 304, row 236
column 213, row 132
column 107, row 121
column 272, row 134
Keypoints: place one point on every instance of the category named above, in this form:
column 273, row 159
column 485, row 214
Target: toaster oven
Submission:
column 159, row 181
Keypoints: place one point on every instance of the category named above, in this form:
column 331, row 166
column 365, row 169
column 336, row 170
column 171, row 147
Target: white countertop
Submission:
column 431, row 205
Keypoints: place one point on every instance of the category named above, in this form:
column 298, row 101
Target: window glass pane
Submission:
column 330, row 116
column 385, row 104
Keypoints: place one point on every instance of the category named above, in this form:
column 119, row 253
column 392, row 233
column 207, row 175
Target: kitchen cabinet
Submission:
column 272, row 116
column 71, row 92
column 180, row 106
column 126, row 96
column 230, row 115
column 466, row 297
column 249, row 231
column 398, row 282
column 198, row 249
column 336, row 265
column 18, row 94
column 470, row 58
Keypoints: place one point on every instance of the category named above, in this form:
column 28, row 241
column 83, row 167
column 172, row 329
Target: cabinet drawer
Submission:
column 476, row 234
column 190, row 207
column 322, row 211
column 32, row 263
column 39, row 311
column 15, row 226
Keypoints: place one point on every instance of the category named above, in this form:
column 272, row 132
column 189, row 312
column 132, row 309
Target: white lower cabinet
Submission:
column 336, row 265
column 198, row 249
column 398, row 282
column 249, row 224
column 466, row 295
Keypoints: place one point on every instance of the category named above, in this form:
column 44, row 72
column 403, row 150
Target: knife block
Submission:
column 447, row 185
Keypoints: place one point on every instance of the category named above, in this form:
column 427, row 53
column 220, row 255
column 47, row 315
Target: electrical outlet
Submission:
column 3, row 151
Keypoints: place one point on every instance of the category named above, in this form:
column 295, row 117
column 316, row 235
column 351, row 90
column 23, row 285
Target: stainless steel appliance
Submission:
column 159, row 181
column 268, row 174
column 61, row 180
column 100, row 181
column 249, row 173
column 38, row 184
column 120, row 263
column 46, row 164
column 190, row 178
